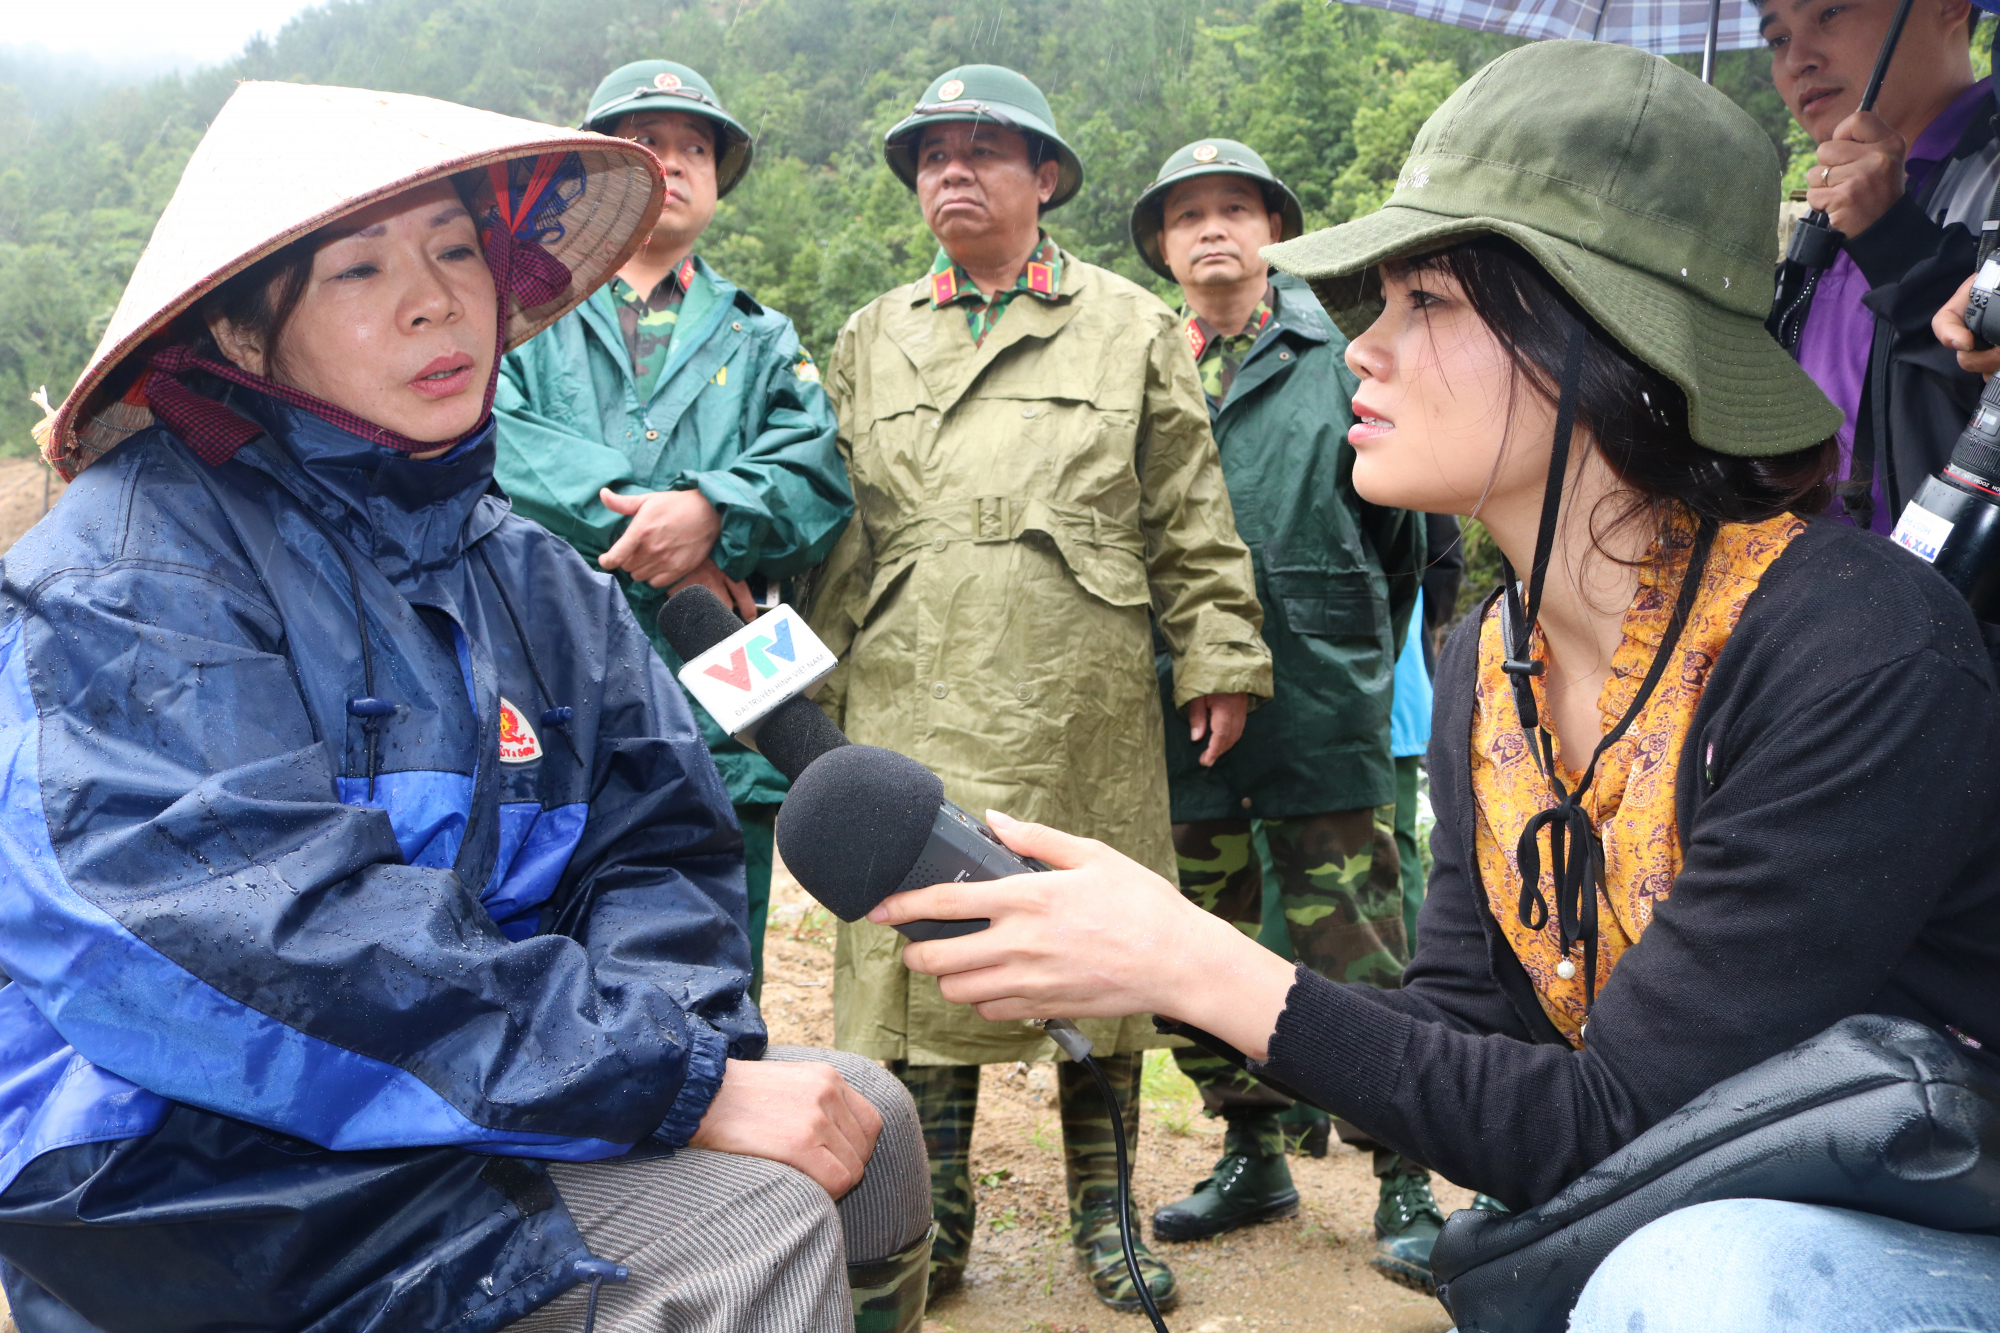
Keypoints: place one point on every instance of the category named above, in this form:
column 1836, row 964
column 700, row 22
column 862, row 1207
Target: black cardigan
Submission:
column 1839, row 804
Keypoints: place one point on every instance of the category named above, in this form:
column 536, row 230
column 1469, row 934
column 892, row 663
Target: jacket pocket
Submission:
column 1331, row 606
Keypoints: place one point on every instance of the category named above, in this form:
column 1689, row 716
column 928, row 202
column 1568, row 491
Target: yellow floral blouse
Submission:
column 1631, row 800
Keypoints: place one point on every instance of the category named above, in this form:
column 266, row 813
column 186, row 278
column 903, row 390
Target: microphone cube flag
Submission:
column 742, row 679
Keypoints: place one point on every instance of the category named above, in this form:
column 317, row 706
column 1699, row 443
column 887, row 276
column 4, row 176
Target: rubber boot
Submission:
column 947, row 1097
column 1252, row 1183
column 1101, row 1255
column 890, row 1294
column 1407, row 1222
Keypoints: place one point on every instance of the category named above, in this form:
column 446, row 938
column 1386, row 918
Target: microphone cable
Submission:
column 1068, row 1036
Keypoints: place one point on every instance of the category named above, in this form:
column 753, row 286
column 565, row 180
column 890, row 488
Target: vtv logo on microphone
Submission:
column 740, row 680
column 758, row 653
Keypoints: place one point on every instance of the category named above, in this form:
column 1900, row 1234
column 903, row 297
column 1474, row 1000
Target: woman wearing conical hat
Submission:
column 373, row 911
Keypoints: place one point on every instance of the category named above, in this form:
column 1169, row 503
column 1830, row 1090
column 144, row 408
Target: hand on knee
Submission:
column 803, row 1115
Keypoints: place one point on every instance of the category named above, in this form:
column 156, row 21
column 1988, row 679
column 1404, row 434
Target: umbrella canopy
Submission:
column 1663, row 27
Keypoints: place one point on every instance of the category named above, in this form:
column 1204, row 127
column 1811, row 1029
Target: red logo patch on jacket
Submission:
column 518, row 742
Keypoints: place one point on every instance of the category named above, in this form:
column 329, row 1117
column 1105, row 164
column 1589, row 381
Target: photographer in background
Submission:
column 1908, row 185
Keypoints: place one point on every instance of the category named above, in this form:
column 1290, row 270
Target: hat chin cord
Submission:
column 1576, row 853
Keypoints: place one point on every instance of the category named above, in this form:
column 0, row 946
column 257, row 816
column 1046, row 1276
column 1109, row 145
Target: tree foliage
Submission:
column 1331, row 95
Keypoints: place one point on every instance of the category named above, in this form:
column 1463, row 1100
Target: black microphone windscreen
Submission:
column 854, row 824
column 694, row 620
column 795, row 734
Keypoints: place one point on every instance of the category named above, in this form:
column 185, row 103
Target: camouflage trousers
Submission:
column 1340, row 886
column 947, row 1098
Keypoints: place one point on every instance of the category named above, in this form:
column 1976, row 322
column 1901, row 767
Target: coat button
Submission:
column 652, row 435
column 1284, row 356
column 1024, row 692
column 930, row 425
column 939, row 544
column 1246, row 802
column 939, row 689
column 1027, row 412
column 738, row 326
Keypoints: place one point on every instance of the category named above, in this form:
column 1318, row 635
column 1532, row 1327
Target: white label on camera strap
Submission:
column 1922, row 532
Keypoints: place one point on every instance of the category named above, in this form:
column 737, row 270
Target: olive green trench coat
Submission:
column 1022, row 509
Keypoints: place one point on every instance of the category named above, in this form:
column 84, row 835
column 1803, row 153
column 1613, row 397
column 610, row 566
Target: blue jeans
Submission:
column 1760, row 1266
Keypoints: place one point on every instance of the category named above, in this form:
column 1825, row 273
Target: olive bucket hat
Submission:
column 1208, row 157
column 1644, row 192
column 662, row 85
column 983, row 92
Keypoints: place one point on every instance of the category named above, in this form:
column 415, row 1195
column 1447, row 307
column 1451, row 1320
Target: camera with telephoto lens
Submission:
column 1982, row 311
column 1954, row 521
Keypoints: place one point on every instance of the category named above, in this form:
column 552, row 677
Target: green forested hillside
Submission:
column 1332, row 97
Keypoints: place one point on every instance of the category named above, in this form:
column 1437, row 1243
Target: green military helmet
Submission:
column 662, row 85
column 984, row 92
column 1208, row 157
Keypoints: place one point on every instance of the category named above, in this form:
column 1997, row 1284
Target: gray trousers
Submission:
column 720, row 1242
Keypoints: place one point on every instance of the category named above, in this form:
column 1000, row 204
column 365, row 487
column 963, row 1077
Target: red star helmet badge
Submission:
column 666, row 82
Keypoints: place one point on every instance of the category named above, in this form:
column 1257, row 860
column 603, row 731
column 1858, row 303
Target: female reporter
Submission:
column 372, row 908
column 1717, row 777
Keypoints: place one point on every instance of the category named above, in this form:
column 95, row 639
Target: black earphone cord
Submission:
column 1576, row 853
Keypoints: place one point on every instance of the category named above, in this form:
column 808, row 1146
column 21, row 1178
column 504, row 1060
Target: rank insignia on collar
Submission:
column 1041, row 280
column 944, row 286
column 518, row 742
column 1195, row 341
column 685, row 276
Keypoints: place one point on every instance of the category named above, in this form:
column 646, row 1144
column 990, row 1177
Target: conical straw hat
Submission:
column 282, row 160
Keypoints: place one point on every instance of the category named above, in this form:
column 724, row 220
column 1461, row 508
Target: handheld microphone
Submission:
column 753, row 679
column 859, row 823
column 862, row 823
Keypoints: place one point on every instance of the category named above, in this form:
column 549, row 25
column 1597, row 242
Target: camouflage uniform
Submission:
column 889, row 1294
column 947, row 1096
column 1339, row 883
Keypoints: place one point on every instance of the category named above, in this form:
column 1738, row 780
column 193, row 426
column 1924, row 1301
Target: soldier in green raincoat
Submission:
column 674, row 430
column 1036, row 487
column 1338, row 580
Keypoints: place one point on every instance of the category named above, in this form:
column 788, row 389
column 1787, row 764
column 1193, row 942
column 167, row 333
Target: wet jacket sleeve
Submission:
column 1204, row 587
column 550, row 472
column 784, row 499
column 193, row 910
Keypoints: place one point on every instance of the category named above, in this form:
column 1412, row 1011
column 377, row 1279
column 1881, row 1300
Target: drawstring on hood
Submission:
column 1576, row 853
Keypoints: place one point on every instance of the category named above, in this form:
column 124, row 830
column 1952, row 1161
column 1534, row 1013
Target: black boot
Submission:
column 1407, row 1222
column 1251, row 1183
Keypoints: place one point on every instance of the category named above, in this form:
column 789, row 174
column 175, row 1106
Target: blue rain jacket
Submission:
column 304, row 986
